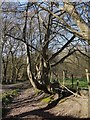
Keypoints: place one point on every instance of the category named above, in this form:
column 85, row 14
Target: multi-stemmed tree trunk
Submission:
column 43, row 76
column 33, row 79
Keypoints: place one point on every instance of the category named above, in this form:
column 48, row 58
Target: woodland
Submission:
column 45, row 60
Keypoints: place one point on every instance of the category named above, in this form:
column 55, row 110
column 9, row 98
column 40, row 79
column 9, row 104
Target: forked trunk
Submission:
column 35, row 83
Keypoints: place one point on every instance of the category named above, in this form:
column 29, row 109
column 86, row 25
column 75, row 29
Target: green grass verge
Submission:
column 82, row 83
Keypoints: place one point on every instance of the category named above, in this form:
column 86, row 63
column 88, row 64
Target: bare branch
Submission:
column 62, row 60
column 54, row 55
column 23, row 42
column 83, row 53
column 84, row 29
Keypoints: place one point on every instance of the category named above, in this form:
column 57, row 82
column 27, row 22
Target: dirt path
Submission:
column 21, row 85
column 30, row 106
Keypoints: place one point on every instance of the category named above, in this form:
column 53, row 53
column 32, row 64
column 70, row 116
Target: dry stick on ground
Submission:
column 75, row 94
column 70, row 90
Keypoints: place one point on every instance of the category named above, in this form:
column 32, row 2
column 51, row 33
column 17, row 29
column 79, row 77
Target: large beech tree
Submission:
column 46, row 30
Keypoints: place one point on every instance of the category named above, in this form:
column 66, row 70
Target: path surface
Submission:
column 30, row 106
column 21, row 85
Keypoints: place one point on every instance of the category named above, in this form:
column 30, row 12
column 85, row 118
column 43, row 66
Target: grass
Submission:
column 7, row 97
column 47, row 99
column 82, row 83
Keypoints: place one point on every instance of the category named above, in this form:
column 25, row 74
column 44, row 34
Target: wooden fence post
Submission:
column 63, row 77
column 87, row 75
column 72, row 80
column 88, row 81
column 77, row 86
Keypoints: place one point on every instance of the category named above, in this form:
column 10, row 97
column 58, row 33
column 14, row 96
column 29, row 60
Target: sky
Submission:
column 14, row 0
column 43, row 0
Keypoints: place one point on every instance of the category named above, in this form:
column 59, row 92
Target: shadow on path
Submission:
column 43, row 114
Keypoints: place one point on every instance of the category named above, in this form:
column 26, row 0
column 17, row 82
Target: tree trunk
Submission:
column 35, row 83
column 45, row 73
column 5, row 64
column 5, row 74
column 13, row 69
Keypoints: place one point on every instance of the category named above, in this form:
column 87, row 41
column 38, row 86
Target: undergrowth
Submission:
column 7, row 97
